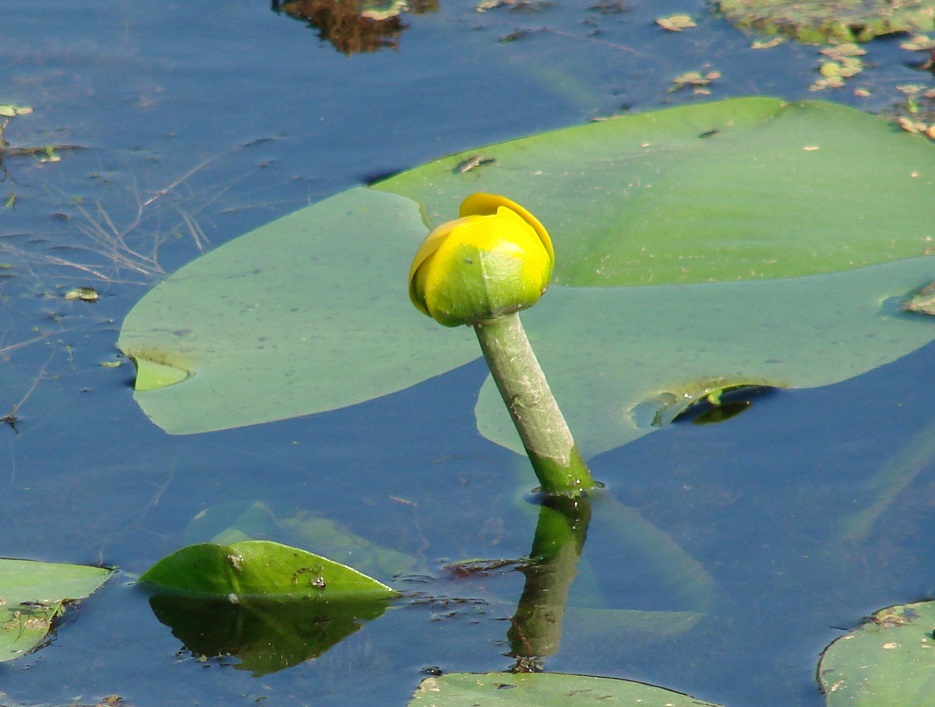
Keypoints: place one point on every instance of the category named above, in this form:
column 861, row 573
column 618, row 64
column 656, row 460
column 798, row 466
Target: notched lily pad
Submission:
column 886, row 661
column 304, row 315
column 154, row 370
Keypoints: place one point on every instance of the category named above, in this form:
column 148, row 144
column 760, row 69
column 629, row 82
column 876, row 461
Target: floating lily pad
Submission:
column 651, row 350
column 32, row 594
column 260, row 569
column 270, row 605
column 543, row 689
column 697, row 247
column 743, row 189
column 886, row 661
column 819, row 21
column 303, row 315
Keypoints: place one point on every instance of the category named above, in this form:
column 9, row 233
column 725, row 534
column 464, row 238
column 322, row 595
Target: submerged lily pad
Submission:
column 819, row 21
column 543, row 689
column 32, row 594
column 886, row 661
column 697, row 247
column 234, row 522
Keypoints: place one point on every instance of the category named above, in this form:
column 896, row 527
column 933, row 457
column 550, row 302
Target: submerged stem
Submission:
column 555, row 458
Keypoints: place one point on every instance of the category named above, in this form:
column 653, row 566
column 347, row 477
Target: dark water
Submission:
column 198, row 122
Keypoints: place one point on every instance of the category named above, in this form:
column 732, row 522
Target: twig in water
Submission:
column 11, row 417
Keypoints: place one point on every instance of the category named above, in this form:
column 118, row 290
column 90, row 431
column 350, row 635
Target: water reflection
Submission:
column 354, row 26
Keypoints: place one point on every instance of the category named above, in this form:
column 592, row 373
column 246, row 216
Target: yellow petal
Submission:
column 495, row 259
column 483, row 204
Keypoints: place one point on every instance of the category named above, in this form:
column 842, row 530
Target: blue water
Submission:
column 229, row 116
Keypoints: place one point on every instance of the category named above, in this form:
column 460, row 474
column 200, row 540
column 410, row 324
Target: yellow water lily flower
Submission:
column 495, row 259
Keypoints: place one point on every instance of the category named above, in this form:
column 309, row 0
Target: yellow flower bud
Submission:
column 496, row 259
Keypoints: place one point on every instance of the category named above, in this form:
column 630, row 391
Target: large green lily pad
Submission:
column 618, row 359
column 304, row 315
column 887, row 661
column 743, row 189
column 818, row 21
column 543, row 689
column 32, row 594
column 729, row 242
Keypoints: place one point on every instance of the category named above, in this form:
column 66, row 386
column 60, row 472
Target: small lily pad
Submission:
column 257, row 569
column 543, row 690
column 32, row 594
column 886, row 661
column 270, row 605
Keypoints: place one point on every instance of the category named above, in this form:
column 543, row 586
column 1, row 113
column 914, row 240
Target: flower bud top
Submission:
column 497, row 258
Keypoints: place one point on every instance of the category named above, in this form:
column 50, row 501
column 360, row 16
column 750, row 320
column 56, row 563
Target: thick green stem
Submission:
column 555, row 458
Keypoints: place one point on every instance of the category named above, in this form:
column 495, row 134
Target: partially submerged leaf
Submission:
column 543, row 690
column 33, row 593
column 268, row 604
column 818, row 21
column 260, row 569
column 886, row 661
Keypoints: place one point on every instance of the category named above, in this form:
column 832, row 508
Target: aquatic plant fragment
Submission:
column 821, row 21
